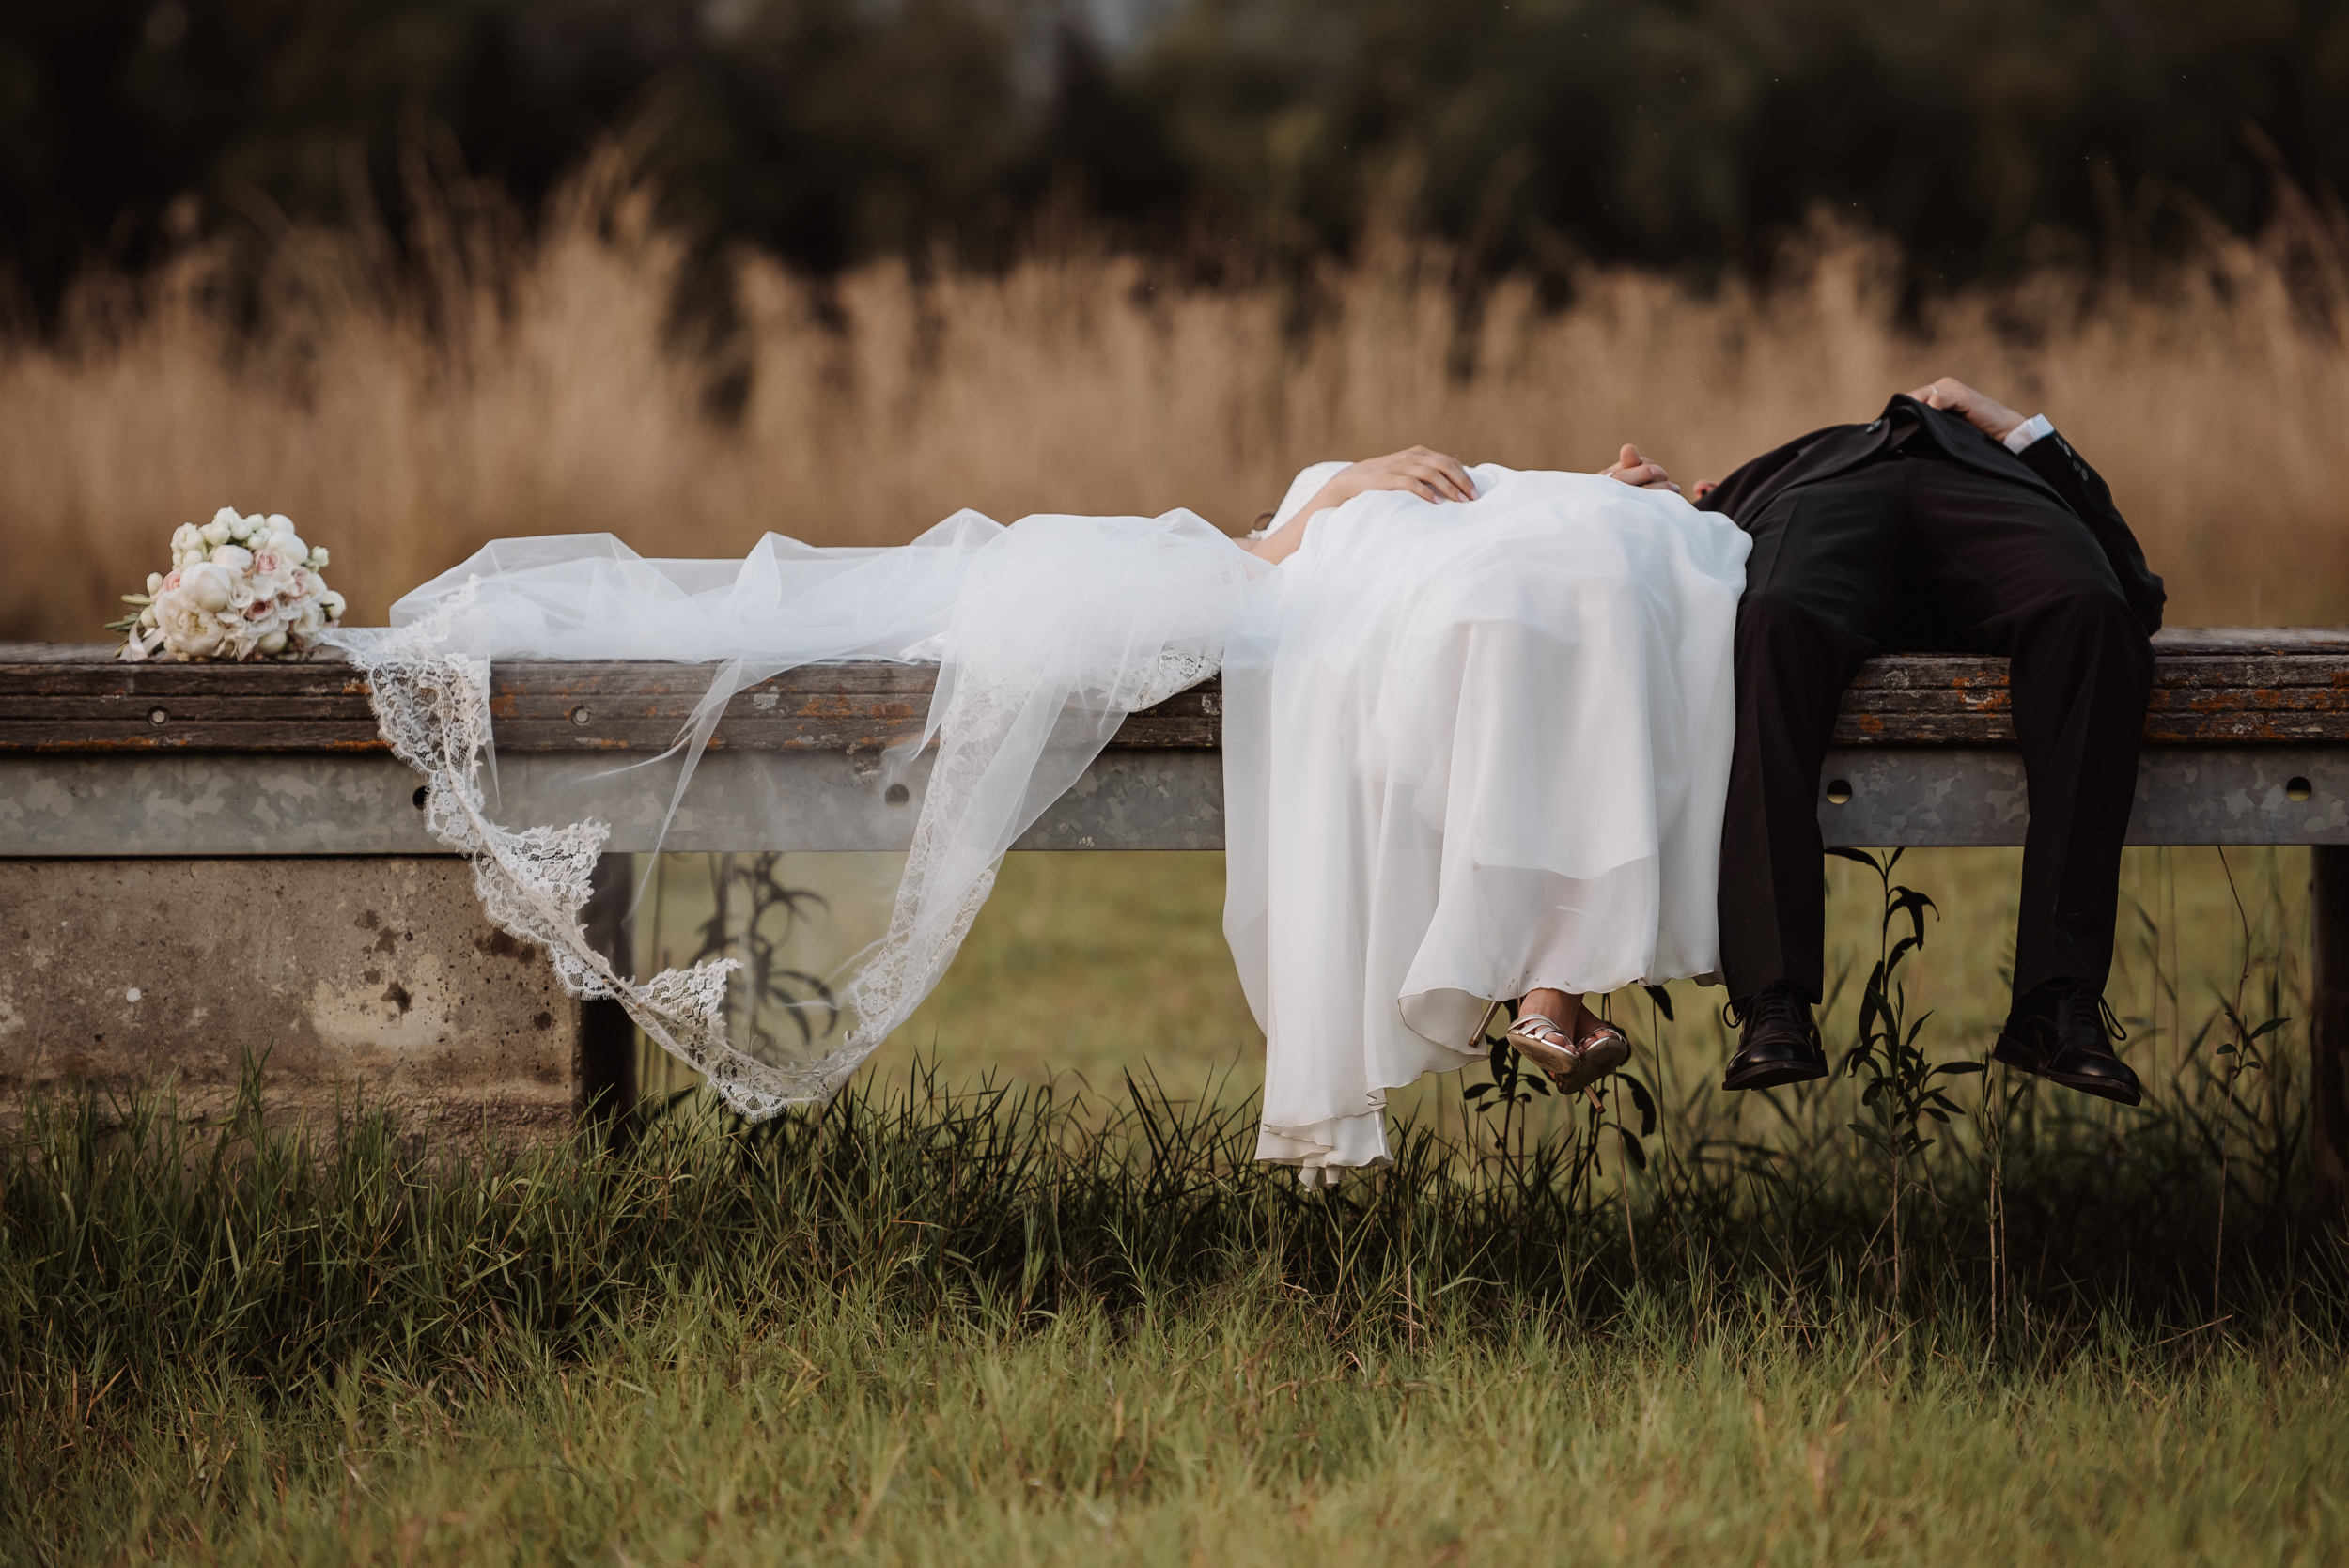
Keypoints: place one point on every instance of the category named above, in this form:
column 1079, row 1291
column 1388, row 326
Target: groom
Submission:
column 1950, row 524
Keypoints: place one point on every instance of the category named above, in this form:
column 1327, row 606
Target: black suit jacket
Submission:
column 2048, row 465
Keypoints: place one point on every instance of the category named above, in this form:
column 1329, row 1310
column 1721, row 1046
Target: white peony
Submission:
column 207, row 586
column 189, row 629
column 235, row 557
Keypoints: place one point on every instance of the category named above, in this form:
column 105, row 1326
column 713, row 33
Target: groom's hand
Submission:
column 1985, row 414
column 1632, row 469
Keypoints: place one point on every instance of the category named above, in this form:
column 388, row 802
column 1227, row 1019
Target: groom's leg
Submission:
column 1828, row 566
column 2026, row 579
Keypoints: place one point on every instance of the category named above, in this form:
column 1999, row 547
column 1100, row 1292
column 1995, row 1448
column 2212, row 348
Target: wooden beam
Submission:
column 2206, row 692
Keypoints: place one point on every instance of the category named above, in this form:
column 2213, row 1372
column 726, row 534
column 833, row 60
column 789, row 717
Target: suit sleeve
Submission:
column 2083, row 489
column 1739, row 496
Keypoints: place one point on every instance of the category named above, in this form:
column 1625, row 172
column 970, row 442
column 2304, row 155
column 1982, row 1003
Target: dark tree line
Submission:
column 1688, row 134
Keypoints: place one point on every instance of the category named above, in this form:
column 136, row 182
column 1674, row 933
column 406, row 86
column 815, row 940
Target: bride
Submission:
column 1476, row 743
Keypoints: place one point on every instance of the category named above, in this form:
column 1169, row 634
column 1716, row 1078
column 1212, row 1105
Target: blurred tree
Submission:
column 1688, row 134
column 1679, row 132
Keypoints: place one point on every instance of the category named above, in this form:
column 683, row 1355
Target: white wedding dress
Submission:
column 1470, row 749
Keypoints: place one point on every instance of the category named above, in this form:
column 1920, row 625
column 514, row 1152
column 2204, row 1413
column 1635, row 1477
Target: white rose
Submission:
column 250, row 527
column 235, row 557
column 318, row 558
column 215, row 532
column 185, row 537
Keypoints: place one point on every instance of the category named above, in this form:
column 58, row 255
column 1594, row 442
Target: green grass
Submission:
column 1059, row 1320
column 1251, row 1434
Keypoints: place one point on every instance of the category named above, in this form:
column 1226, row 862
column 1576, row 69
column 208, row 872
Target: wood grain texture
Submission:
column 2254, row 687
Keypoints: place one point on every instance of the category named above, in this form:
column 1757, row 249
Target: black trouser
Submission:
column 1922, row 554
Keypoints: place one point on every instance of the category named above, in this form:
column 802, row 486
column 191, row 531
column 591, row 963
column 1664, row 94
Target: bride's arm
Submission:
column 1429, row 475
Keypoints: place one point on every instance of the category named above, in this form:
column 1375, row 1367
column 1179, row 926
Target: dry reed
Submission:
column 503, row 383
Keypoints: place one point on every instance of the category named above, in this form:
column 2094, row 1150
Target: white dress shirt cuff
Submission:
column 2027, row 431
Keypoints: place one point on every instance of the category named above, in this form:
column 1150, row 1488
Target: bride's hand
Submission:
column 1632, row 469
column 1430, row 475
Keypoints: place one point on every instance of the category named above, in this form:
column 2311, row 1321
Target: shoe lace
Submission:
column 2078, row 1000
column 1774, row 1002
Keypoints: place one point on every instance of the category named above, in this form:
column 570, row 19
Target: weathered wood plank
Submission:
column 2211, row 688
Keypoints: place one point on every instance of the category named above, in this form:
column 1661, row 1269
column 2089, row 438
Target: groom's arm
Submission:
column 2084, row 490
column 2081, row 488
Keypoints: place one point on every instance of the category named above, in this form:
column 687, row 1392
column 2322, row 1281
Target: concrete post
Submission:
column 370, row 981
column 2329, row 1040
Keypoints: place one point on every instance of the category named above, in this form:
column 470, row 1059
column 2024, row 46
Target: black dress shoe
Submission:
column 2063, row 1032
column 1780, row 1043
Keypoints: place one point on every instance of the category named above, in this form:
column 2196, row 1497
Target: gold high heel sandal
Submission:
column 1572, row 1065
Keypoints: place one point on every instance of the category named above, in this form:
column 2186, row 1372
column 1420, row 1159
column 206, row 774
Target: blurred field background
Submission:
column 510, row 382
column 423, row 273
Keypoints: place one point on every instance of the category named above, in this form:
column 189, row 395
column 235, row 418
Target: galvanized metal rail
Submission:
column 2248, row 743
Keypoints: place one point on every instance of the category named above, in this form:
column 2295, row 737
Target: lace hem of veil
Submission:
column 432, row 705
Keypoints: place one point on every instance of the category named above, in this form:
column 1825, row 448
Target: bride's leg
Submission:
column 1557, row 1006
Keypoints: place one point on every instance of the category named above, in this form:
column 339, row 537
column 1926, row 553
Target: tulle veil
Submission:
column 1047, row 634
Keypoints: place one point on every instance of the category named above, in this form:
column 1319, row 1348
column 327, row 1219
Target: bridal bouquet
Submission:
column 239, row 587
